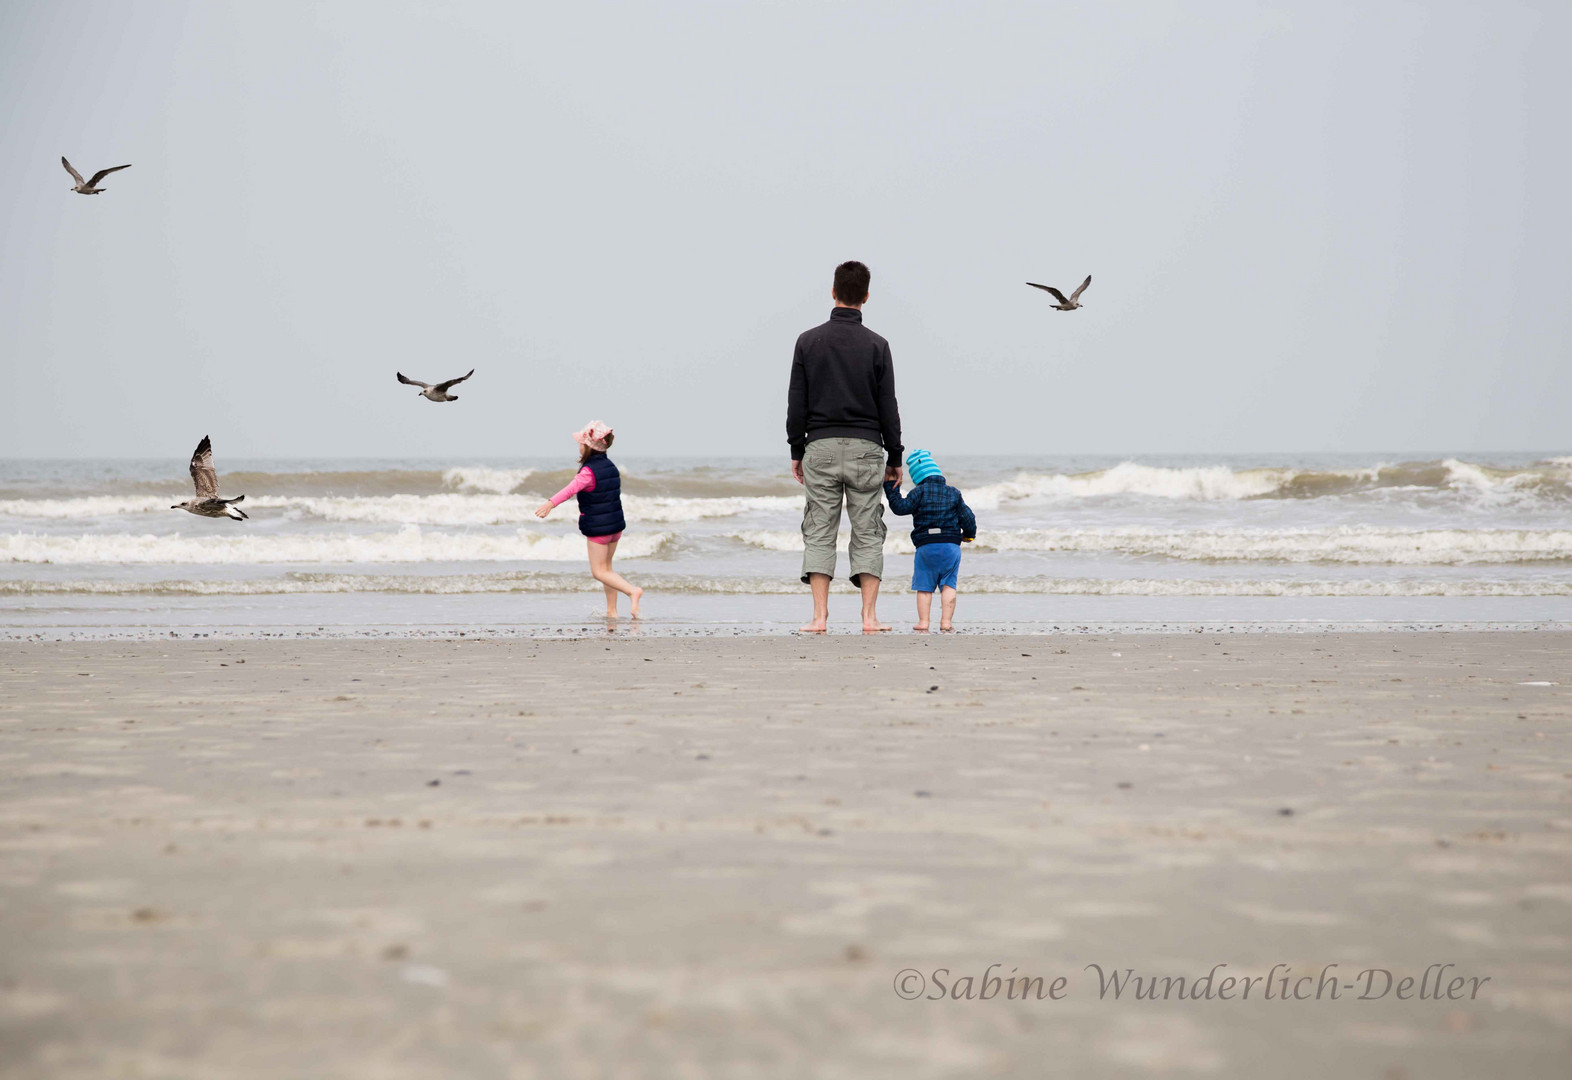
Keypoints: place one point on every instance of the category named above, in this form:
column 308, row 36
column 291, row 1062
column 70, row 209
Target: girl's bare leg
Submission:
column 924, row 606
column 947, row 608
column 600, row 556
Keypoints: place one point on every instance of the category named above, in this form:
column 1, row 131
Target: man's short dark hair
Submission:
column 851, row 282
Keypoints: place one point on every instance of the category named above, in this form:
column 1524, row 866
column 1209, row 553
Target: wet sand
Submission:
column 730, row 857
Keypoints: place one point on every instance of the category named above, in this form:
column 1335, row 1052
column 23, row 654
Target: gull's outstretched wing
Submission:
column 202, row 474
column 101, row 173
column 443, row 386
column 1076, row 295
column 1049, row 288
column 412, row 382
column 74, row 174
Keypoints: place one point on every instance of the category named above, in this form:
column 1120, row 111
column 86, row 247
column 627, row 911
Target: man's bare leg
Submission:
column 820, row 584
column 946, row 608
column 924, row 606
column 870, row 603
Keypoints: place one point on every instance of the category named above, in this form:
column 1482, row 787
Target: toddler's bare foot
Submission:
column 946, row 626
column 920, row 626
column 873, row 626
column 817, row 626
column 633, row 612
column 611, row 613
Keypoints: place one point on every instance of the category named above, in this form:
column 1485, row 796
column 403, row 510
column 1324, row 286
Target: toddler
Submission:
column 941, row 523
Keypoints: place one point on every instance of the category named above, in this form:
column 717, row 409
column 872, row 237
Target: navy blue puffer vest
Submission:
column 600, row 511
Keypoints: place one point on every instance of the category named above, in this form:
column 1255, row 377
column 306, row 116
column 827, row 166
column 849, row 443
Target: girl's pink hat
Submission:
column 594, row 435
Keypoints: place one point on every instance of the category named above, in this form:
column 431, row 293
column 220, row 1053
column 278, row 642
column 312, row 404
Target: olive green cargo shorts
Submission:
column 849, row 470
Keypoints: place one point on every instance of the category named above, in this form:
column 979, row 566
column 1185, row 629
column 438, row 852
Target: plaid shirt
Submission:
column 939, row 514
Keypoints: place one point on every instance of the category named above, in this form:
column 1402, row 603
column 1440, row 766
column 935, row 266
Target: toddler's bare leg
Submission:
column 924, row 606
column 946, row 608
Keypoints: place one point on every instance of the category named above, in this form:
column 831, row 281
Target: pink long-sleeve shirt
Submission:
column 584, row 481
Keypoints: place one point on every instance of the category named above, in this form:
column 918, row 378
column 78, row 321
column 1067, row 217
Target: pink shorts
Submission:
column 612, row 539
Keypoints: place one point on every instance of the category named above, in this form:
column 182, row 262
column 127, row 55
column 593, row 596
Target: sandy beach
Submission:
column 738, row 858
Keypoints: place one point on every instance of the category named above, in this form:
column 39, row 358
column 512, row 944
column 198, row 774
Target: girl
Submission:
column 598, row 486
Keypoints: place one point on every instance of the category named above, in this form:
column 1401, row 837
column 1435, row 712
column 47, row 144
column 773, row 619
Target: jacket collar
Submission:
column 851, row 314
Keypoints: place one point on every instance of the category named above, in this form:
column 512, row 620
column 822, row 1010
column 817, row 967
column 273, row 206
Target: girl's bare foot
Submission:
column 874, row 627
column 633, row 612
column 817, row 626
column 946, row 626
column 921, row 626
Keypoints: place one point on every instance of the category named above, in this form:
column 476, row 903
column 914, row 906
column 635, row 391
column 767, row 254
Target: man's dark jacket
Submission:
column 939, row 514
column 843, row 387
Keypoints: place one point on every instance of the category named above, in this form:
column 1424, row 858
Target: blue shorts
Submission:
column 936, row 566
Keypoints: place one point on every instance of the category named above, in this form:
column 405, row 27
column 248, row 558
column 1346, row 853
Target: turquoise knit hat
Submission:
column 920, row 466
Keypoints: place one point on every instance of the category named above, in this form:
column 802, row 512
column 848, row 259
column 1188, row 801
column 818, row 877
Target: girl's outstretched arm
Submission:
column 584, row 481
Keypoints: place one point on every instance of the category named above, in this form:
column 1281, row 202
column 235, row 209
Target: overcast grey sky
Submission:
column 1313, row 226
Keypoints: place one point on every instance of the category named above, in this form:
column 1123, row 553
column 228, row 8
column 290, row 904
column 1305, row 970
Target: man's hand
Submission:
column 892, row 474
column 796, row 470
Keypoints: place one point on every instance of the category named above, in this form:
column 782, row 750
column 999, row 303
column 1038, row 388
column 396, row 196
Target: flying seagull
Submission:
column 438, row 392
column 89, row 187
column 207, row 503
column 1063, row 304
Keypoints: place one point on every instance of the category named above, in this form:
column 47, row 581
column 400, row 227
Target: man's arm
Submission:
column 797, row 406
column 889, row 412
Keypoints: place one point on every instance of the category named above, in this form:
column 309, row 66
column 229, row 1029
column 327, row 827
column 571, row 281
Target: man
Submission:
column 844, row 428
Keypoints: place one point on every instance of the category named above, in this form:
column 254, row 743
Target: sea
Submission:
column 92, row 548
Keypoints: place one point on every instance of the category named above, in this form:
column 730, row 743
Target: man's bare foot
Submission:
column 817, row 626
column 633, row 612
column 946, row 626
column 921, row 626
column 874, row 627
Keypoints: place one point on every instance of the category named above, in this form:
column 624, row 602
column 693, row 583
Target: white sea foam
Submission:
column 538, row 582
column 87, row 507
column 1346, row 544
column 410, row 544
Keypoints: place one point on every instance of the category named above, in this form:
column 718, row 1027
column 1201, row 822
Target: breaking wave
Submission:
column 1551, row 478
column 1550, row 475
column 447, row 509
column 476, row 494
column 481, row 479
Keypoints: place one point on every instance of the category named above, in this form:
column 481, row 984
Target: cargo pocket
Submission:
column 867, row 470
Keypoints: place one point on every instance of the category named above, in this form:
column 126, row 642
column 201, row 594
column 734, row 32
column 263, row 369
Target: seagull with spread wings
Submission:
column 89, row 187
column 207, row 503
column 1063, row 304
column 438, row 392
